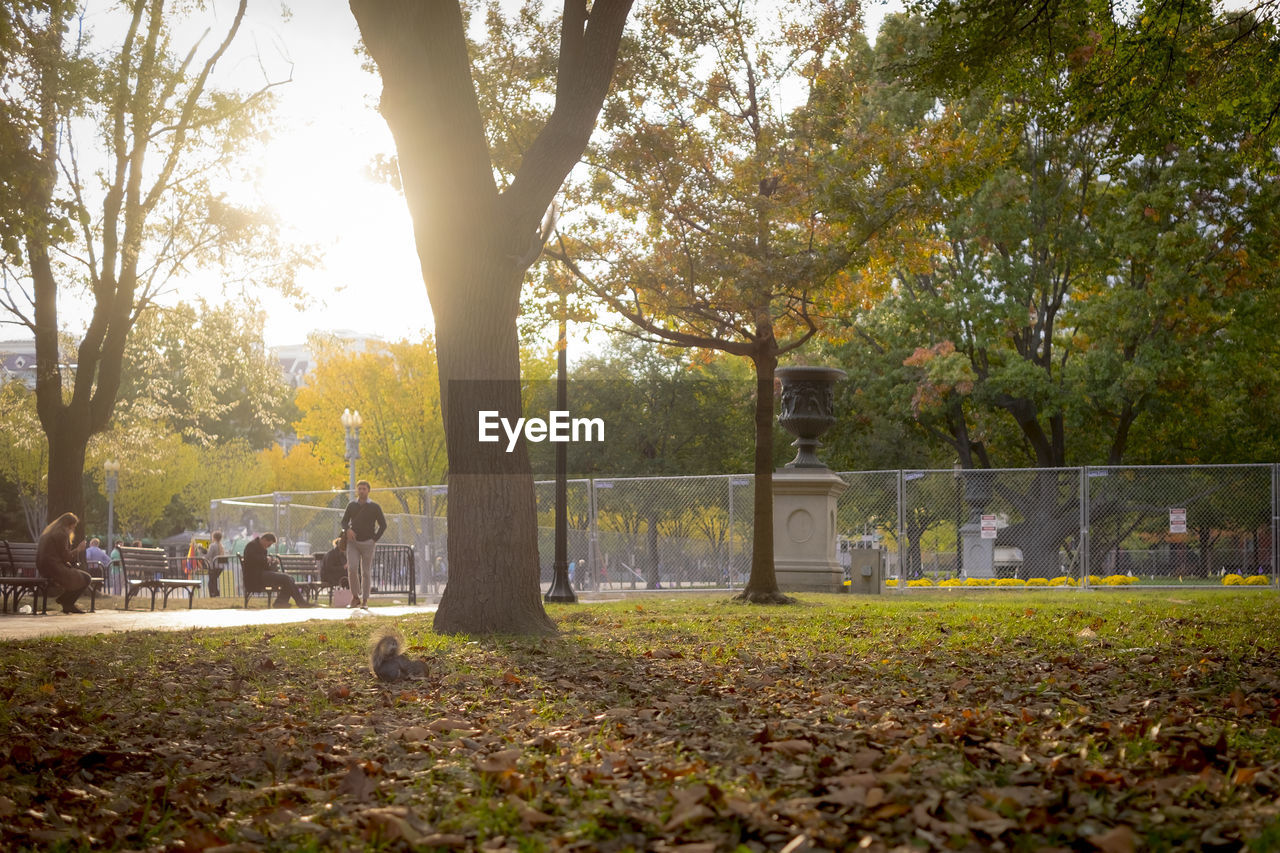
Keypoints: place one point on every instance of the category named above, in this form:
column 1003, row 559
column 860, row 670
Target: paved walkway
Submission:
column 16, row 626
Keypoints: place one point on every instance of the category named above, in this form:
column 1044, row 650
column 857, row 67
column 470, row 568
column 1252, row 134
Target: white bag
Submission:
column 341, row 597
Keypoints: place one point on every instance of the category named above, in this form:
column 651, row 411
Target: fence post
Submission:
column 902, row 511
column 729, row 480
column 1085, row 520
column 593, row 541
column 430, row 568
column 1275, row 522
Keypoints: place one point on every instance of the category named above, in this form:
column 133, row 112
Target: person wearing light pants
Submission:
column 363, row 524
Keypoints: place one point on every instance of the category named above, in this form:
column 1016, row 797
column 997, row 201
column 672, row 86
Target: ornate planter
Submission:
column 808, row 409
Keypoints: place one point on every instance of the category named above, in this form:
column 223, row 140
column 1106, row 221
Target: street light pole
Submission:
column 561, row 590
column 112, row 469
column 351, row 423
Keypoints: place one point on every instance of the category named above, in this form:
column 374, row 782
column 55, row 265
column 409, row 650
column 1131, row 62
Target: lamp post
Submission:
column 561, row 590
column 112, row 469
column 351, row 422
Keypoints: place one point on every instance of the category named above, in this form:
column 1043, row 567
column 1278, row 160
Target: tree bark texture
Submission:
column 762, row 585
column 474, row 244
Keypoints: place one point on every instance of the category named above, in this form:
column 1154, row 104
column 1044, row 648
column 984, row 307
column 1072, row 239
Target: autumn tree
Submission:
column 23, row 461
column 710, row 233
column 205, row 370
column 1078, row 289
column 475, row 239
column 117, row 218
column 396, row 389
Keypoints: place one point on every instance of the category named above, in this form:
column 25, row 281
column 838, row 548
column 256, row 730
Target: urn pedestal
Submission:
column 805, row 490
column 804, row 530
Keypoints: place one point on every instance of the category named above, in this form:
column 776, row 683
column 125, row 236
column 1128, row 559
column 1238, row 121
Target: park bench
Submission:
column 321, row 584
column 18, row 576
column 301, row 567
column 151, row 569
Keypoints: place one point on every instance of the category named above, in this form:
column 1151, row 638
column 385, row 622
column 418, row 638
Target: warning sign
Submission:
column 1178, row 520
column 988, row 527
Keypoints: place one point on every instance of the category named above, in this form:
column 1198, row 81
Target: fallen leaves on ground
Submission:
column 810, row 728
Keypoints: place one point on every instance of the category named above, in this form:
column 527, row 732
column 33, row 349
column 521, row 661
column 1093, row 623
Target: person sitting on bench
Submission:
column 333, row 569
column 57, row 560
column 258, row 573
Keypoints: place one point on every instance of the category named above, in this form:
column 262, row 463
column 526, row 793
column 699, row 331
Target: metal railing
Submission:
column 1157, row 525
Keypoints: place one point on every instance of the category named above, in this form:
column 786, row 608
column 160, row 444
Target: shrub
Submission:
column 1117, row 580
column 977, row 581
column 1063, row 580
column 1232, row 580
column 920, row 582
column 1258, row 580
column 1010, row 582
column 1037, row 582
column 951, row 582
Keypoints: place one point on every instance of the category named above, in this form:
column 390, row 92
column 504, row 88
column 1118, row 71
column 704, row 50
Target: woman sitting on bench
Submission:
column 56, row 560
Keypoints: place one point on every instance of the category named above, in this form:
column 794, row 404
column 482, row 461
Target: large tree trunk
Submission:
column 474, row 244
column 493, row 534
column 67, row 442
column 762, row 586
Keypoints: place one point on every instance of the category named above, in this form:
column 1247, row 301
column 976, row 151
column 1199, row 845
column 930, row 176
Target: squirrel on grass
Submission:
column 387, row 661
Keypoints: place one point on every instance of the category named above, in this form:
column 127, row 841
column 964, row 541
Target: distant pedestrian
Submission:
column 216, row 557
column 56, row 560
column 363, row 525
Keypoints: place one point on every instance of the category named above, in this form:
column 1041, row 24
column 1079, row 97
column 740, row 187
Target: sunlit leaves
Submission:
column 397, row 392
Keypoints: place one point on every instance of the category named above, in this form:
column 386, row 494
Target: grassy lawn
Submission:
column 1025, row 721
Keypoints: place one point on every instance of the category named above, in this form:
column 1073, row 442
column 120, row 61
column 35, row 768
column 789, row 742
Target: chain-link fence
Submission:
column 1162, row 525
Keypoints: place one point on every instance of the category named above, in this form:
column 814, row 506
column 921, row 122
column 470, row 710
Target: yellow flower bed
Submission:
column 978, row 581
column 1010, row 582
column 1232, row 580
column 1037, row 582
column 1258, row 580
column 1117, row 580
column 920, row 582
column 1063, row 580
column 951, row 582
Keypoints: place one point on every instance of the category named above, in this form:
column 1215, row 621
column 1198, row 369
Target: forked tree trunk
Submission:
column 474, row 244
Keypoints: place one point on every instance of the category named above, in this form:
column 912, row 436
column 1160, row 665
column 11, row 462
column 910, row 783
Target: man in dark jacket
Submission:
column 258, row 573
column 363, row 524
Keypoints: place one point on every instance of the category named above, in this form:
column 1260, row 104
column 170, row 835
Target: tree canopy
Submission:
column 118, row 214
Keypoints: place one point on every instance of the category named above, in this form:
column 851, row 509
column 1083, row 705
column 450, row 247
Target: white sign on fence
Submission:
column 988, row 527
column 1178, row 520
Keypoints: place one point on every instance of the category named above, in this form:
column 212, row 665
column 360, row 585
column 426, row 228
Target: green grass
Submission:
column 1025, row 719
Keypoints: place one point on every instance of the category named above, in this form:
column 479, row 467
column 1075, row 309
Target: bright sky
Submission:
column 314, row 172
column 315, row 175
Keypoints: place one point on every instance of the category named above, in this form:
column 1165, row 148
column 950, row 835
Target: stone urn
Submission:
column 808, row 409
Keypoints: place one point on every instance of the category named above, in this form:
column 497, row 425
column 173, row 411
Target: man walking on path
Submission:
column 363, row 524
